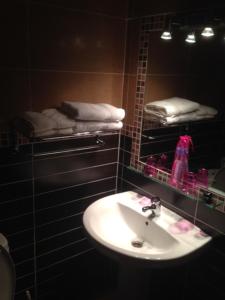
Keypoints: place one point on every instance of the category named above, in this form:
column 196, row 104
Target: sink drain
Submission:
column 137, row 243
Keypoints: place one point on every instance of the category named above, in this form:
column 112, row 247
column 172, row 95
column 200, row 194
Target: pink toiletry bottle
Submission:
column 202, row 177
column 180, row 163
column 161, row 163
column 150, row 168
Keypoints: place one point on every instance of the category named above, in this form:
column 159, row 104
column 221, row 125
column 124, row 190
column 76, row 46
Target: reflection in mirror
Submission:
column 185, row 96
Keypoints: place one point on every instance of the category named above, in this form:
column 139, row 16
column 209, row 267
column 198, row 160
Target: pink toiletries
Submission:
column 180, row 163
column 202, row 177
column 150, row 168
column 161, row 163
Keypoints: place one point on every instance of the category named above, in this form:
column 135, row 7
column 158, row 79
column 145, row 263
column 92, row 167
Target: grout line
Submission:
column 60, row 219
column 64, row 246
column 25, row 289
column 15, row 200
column 26, row 275
column 118, row 158
column 76, row 170
column 76, row 154
column 29, row 69
column 24, row 261
column 34, row 227
column 17, row 217
column 15, row 182
column 74, row 200
column 73, row 186
column 19, row 232
column 21, row 247
column 63, row 260
column 59, row 234
column 50, row 279
column 15, row 164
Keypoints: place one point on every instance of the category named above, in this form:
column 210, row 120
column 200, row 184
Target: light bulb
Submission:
column 166, row 35
column 207, row 32
column 190, row 38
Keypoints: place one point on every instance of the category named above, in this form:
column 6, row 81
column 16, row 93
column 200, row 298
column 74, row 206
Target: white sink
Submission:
column 118, row 224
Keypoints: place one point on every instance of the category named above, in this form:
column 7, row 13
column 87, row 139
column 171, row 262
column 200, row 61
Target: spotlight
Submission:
column 190, row 38
column 207, row 32
column 166, row 35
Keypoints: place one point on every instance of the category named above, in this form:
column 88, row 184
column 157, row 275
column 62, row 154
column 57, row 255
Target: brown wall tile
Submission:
column 70, row 40
column 49, row 89
column 14, row 93
column 43, row 36
column 109, row 7
column 13, row 32
column 162, row 87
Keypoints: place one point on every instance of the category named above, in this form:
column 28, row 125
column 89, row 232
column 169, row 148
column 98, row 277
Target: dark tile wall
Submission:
column 59, row 50
column 43, row 196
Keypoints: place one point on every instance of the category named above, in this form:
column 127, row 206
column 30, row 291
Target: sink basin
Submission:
column 117, row 224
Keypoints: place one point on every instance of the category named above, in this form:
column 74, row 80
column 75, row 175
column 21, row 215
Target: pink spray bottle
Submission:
column 180, row 163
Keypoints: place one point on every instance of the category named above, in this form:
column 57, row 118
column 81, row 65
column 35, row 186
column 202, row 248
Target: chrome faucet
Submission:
column 155, row 207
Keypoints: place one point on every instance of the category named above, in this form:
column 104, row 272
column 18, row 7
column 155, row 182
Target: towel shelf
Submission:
column 99, row 143
column 66, row 151
column 159, row 137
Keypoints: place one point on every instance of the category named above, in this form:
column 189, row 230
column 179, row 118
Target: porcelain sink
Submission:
column 117, row 223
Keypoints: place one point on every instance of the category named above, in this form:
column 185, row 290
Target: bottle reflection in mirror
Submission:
column 150, row 167
column 202, row 177
column 189, row 183
column 180, row 163
column 162, row 162
column 154, row 163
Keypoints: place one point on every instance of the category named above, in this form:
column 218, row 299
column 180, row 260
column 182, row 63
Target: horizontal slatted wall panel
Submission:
column 65, row 184
column 44, row 190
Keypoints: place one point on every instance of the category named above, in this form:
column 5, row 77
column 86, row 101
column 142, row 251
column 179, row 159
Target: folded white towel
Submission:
column 92, row 112
column 61, row 120
column 91, row 126
column 38, row 122
column 205, row 110
column 174, row 106
column 193, row 116
column 186, row 118
column 54, row 132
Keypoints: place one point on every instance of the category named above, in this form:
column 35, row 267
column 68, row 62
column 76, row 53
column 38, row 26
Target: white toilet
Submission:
column 7, row 271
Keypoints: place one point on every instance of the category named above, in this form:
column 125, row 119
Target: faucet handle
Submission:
column 145, row 208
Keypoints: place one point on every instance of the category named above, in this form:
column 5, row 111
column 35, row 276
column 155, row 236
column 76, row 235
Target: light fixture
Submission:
column 166, row 35
column 190, row 38
column 207, row 32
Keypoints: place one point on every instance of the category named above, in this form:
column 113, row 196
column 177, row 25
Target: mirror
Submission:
column 194, row 72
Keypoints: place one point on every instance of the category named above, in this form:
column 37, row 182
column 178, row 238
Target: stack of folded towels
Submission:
column 177, row 110
column 71, row 118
